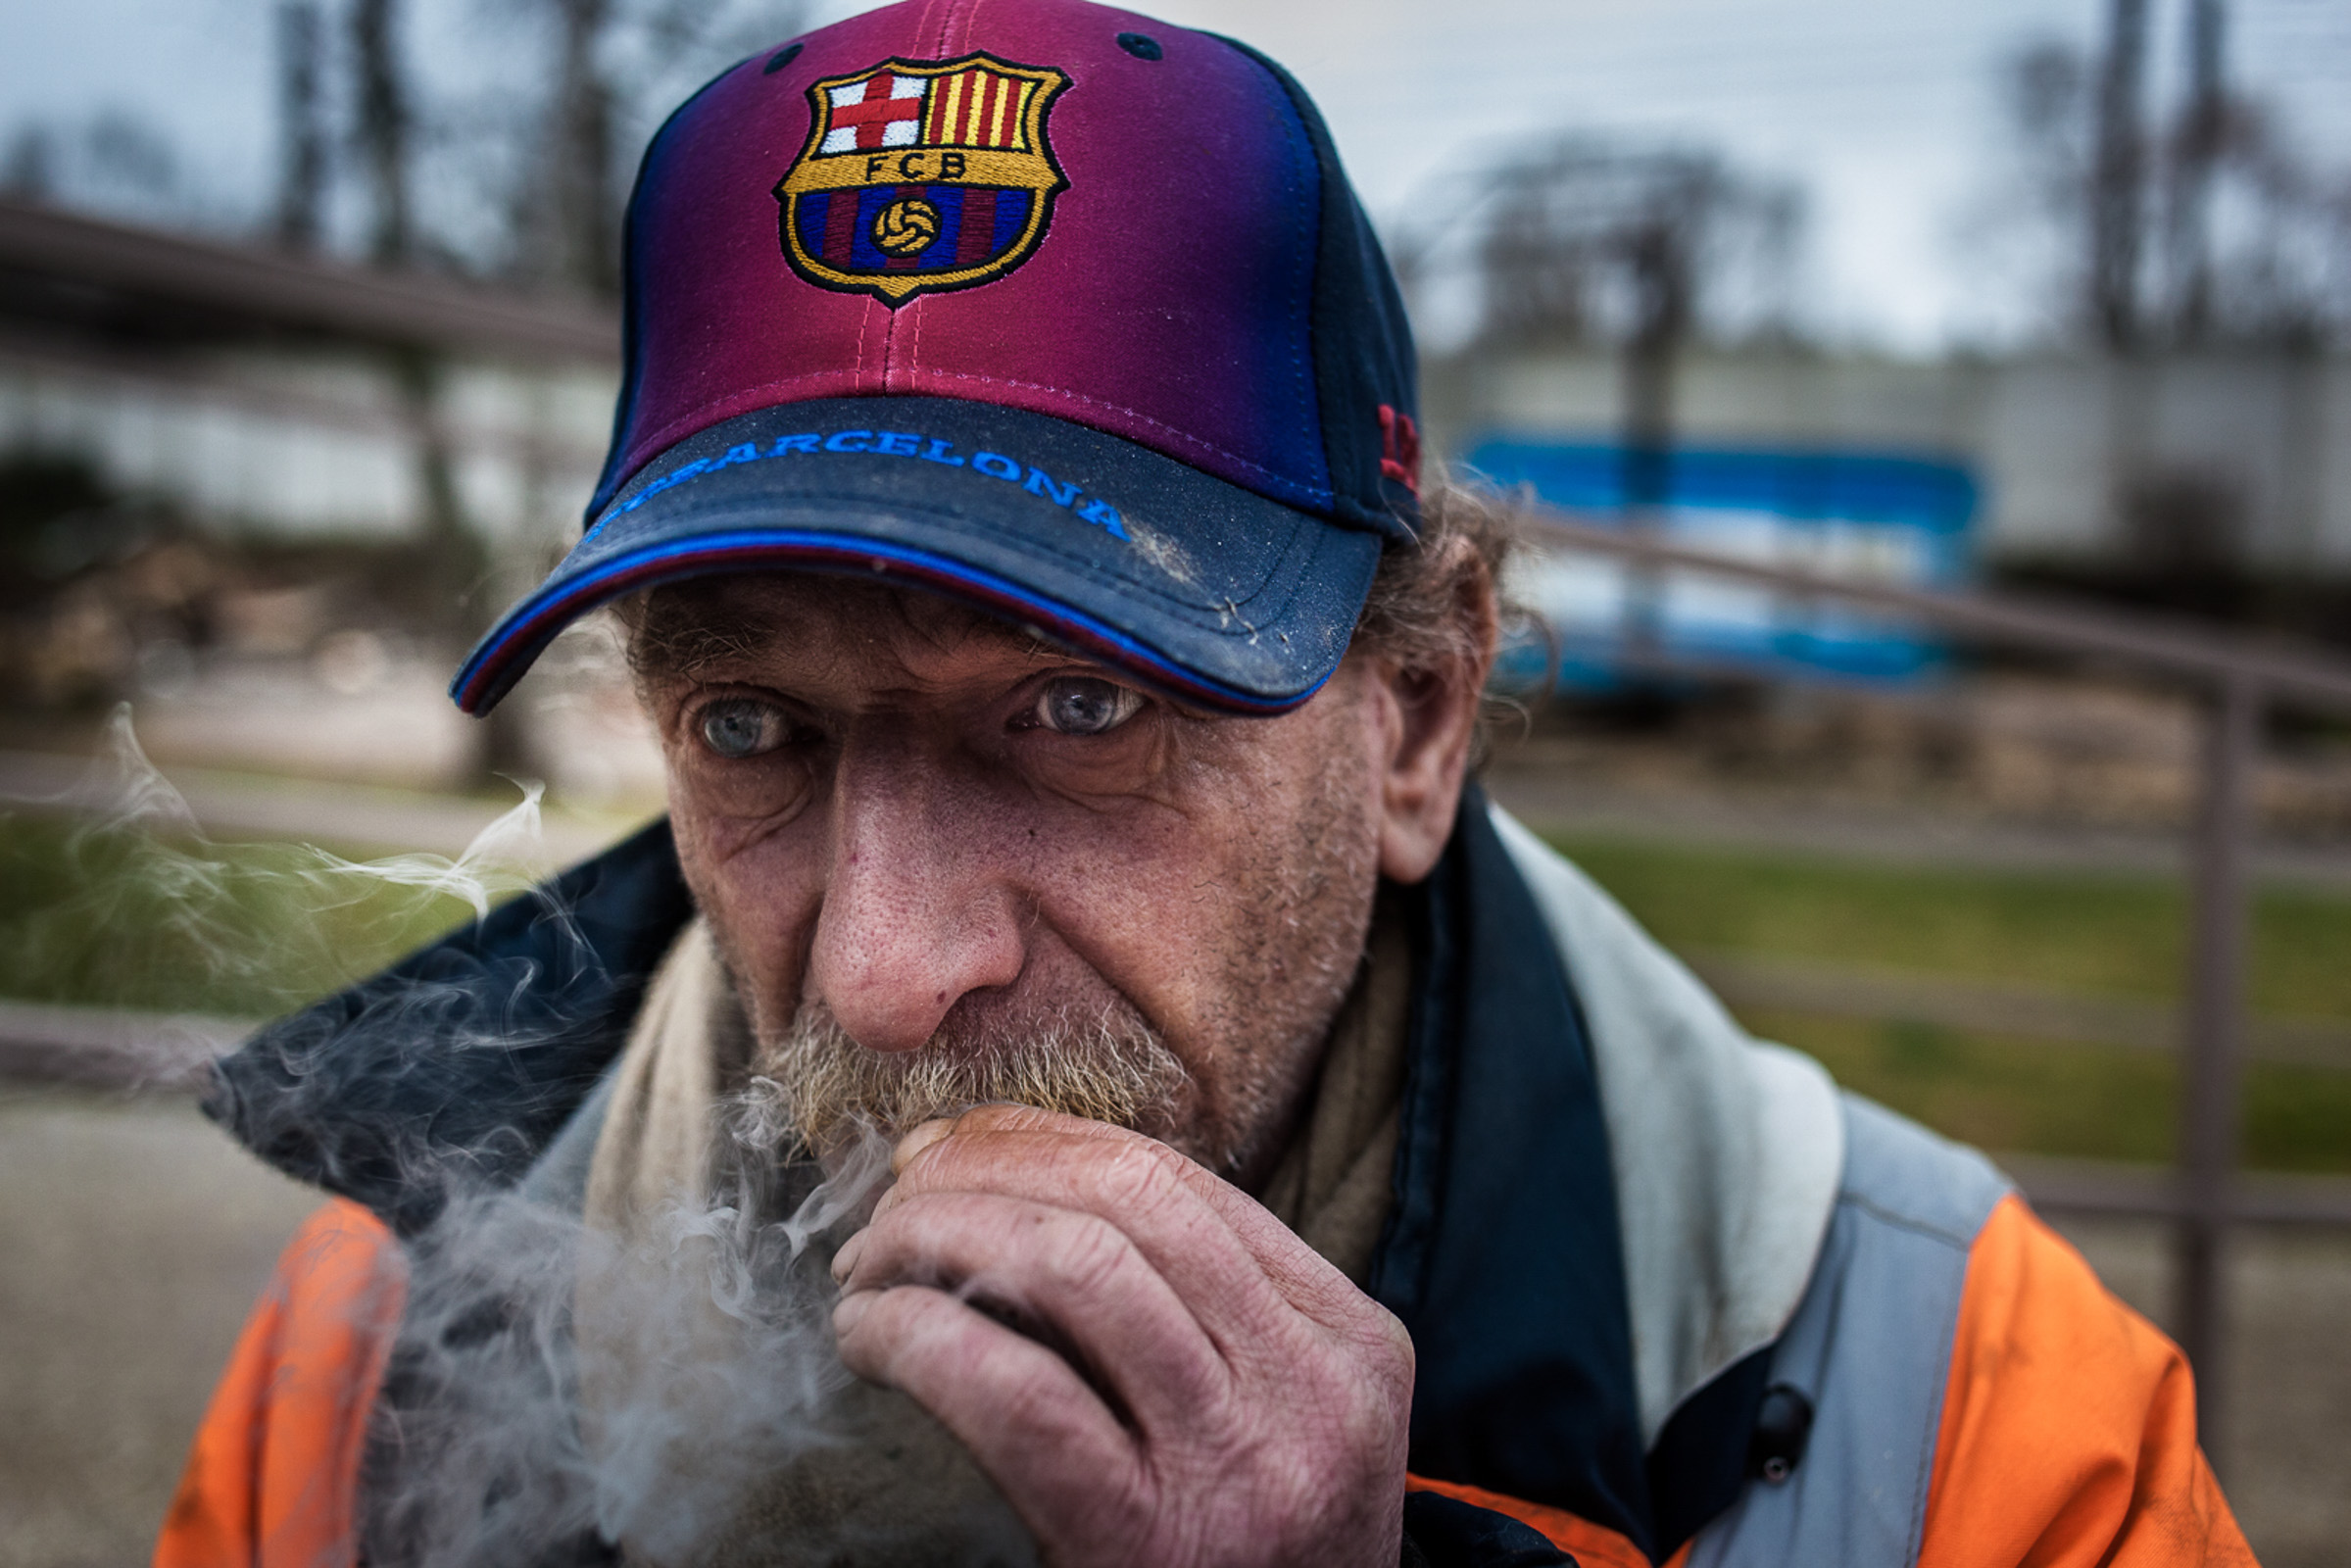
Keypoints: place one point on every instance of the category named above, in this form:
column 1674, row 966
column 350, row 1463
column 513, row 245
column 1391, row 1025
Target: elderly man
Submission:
column 1067, row 692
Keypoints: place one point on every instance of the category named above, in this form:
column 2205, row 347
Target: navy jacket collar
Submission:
column 1501, row 1253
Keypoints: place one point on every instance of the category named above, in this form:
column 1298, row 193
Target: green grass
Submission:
column 2088, row 1102
column 127, row 919
column 2120, row 935
column 2076, row 931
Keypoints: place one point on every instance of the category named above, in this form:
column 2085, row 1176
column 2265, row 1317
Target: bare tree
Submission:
column 616, row 68
column 2255, row 239
column 582, row 176
column 385, row 128
column 301, row 170
column 2197, row 144
column 1585, row 240
column 302, row 125
column 2117, row 194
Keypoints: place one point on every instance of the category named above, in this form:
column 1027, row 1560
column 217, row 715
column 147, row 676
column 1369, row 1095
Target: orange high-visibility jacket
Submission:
column 1967, row 1395
column 2066, row 1436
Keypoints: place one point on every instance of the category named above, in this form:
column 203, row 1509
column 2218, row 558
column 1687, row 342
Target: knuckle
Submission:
column 1142, row 1174
column 1034, row 1408
column 1390, row 1344
column 1089, row 1255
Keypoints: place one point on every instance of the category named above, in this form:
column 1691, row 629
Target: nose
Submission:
column 920, row 908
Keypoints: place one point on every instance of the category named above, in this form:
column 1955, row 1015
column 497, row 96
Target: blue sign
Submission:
column 1898, row 521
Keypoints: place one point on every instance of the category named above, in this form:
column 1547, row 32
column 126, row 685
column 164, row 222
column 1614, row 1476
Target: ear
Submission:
column 1431, row 715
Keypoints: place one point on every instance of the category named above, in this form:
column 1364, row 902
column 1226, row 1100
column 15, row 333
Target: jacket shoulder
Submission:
column 272, row 1476
column 1904, row 1175
column 2068, row 1431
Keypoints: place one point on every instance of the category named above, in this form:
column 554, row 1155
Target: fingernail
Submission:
column 916, row 1141
column 848, row 1311
column 847, row 1258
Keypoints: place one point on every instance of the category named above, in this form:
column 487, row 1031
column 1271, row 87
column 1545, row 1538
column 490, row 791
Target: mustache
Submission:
column 815, row 1088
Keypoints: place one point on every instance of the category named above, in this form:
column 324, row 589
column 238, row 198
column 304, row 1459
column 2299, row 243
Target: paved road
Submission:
column 135, row 1236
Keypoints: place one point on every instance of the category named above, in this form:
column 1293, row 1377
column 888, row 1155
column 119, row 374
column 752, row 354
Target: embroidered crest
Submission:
column 921, row 178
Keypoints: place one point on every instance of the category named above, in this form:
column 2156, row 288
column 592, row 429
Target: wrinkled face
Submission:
column 907, row 820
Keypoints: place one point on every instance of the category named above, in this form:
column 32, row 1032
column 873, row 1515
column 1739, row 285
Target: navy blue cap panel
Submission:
column 1192, row 584
column 1366, row 372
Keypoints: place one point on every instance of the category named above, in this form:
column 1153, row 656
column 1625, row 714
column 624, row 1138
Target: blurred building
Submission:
column 253, row 391
column 318, row 445
column 2243, row 460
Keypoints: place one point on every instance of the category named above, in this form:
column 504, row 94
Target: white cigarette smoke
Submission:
column 677, row 1396
column 699, row 1412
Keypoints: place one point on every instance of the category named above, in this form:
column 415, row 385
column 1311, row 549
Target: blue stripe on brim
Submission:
column 1198, row 587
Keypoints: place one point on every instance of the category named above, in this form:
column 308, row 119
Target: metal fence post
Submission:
column 2210, row 1092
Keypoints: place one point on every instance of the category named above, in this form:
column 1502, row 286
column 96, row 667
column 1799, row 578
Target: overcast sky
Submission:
column 1883, row 110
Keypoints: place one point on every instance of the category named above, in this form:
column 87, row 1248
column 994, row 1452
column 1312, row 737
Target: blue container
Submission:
column 1875, row 517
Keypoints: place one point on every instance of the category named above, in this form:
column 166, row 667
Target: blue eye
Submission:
column 1080, row 704
column 740, row 727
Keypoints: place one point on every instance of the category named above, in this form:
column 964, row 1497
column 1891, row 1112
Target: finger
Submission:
column 1287, row 1259
column 1136, row 1183
column 1044, row 1438
column 1134, row 1188
column 1074, row 1274
column 921, row 1137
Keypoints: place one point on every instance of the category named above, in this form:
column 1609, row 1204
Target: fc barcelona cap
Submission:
column 1054, row 309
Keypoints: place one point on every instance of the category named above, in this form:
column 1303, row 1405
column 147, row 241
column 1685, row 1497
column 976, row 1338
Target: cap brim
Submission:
column 1202, row 588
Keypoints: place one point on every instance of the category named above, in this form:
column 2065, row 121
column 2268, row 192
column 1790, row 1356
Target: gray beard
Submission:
column 815, row 1088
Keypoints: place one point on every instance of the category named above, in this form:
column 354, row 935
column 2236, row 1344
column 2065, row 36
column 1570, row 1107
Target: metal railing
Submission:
column 2238, row 678
column 249, row 287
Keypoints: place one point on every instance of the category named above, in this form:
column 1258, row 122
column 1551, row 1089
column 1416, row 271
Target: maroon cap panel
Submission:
column 997, row 202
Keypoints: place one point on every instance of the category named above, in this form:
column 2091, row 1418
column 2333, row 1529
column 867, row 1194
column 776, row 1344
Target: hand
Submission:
column 1189, row 1384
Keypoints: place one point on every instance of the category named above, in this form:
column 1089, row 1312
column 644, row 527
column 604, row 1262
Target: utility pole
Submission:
column 302, row 125
column 2116, row 204
column 1657, row 252
column 2203, row 128
column 385, row 125
column 385, row 133
column 580, row 149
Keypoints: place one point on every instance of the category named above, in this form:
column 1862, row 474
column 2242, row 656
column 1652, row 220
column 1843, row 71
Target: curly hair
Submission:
column 1444, row 599
column 1468, row 539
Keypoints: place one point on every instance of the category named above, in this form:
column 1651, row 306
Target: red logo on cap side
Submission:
column 920, row 176
column 1399, row 449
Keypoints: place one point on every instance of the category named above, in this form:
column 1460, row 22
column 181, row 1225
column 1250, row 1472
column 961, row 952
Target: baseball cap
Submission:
column 1052, row 308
